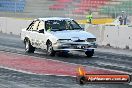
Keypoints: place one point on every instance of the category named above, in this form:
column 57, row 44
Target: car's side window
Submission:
column 35, row 25
column 40, row 25
column 30, row 26
column 69, row 26
column 47, row 25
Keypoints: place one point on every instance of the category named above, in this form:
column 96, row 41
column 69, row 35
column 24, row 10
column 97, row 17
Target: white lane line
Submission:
column 67, row 62
column 31, row 73
column 26, row 72
column 75, row 64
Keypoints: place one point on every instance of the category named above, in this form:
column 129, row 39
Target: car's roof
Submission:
column 54, row 18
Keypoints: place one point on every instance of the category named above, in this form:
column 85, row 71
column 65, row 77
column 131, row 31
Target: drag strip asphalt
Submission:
column 119, row 62
column 18, row 75
column 43, row 66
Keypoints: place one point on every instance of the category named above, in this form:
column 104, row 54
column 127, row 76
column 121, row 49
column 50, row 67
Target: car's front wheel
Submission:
column 28, row 47
column 90, row 53
column 50, row 50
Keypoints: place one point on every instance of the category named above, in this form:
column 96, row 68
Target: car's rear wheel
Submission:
column 90, row 53
column 28, row 47
column 50, row 50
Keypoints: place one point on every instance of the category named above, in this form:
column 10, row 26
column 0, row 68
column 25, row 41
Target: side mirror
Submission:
column 41, row 31
column 82, row 26
column 83, row 29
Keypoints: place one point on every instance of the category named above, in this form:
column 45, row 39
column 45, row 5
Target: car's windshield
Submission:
column 59, row 25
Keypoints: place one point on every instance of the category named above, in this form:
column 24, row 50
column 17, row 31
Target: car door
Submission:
column 41, row 35
column 33, row 34
column 28, row 32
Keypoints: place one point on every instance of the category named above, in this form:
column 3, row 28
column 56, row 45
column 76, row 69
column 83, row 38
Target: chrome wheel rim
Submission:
column 27, row 46
column 49, row 49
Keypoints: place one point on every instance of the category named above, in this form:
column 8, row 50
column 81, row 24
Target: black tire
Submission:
column 89, row 53
column 50, row 50
column 28, row 47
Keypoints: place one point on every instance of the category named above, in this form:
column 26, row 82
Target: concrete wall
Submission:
column 115, row 36
column 12, row 25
